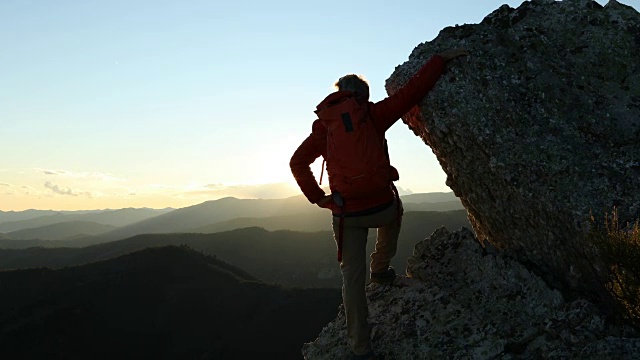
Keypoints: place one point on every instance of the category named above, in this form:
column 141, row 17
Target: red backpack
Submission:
column 357, row 160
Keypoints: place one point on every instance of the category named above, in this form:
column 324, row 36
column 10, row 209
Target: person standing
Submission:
column 350, row 135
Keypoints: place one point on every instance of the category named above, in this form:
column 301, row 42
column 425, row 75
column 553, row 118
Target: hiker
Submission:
column 349, row 135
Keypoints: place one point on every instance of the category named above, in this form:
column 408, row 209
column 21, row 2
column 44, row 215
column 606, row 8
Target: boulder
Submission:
column 538, row 128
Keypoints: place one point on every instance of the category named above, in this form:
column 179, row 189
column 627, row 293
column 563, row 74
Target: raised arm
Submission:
column 389, row 110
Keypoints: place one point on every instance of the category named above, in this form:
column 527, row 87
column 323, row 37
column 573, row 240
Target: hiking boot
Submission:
column 384, row 277
column 368, row 356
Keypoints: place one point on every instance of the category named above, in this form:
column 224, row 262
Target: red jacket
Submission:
column 384, row 114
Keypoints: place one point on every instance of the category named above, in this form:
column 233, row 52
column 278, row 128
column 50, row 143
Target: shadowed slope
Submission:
column 286, row 257
column 61, row 231
column 161, row 303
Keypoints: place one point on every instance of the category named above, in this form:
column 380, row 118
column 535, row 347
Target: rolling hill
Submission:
column 438, row 206
column 119, row 217
column 286, row 257
column 188, row 218
column 161, row 303
column 432, row 197
column 294, row 213
column 309, row 222
column 61, row 231
column 231, row 213
column 7, row 216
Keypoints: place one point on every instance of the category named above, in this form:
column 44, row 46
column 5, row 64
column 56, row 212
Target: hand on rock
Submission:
column 451, row 54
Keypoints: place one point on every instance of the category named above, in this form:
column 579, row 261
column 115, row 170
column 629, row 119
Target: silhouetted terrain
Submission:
column 429, row 206
column 61, row 231
column 294, row 213
column 81, row 241
column 7, row 216
column 286, row 257
column 119, row 217
column 433, row 197
column 286, row 214
column 161, row 303
column 192, row 217
column 309, row 221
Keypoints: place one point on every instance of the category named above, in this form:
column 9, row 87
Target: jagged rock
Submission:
column 538, row 127
column 462, row 303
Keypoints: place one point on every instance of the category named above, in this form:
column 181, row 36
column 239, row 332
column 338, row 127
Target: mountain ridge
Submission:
column 174, row 301
column 287, row 257
column 61, row 231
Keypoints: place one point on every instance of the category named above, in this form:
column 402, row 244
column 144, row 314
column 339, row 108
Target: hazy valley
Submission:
column 92, row 275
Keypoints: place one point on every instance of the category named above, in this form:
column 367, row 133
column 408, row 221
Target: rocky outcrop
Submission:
column 463, row 301
column 535, row 130
column 539, row 127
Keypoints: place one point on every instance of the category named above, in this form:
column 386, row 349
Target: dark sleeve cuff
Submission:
column 315, row 196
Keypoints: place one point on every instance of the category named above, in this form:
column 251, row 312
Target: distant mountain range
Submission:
column 189, row 218
column 108, row 284
column 294, row 213
column 7, row 216
column 286, row 257
column 61, row 231
column 160, row 303
column 307, row 242
column 121, row 217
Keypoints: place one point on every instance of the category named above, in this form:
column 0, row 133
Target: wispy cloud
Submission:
column 81, row 175
column 11, row 189
column 65, row 191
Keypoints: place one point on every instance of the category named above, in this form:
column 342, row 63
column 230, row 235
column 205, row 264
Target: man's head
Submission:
column 354, row 83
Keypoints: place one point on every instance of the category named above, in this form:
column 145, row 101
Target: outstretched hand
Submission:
column 451, row 54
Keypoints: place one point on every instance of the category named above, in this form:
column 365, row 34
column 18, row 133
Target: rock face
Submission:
column 538, row 127
column 462, row 302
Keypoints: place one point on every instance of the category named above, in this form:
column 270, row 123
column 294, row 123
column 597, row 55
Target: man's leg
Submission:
column 388, row 224
column 353, row 266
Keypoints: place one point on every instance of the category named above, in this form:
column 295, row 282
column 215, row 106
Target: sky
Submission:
column 140, row 103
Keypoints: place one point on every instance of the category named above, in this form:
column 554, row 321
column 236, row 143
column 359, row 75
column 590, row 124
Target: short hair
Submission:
column 354, row 83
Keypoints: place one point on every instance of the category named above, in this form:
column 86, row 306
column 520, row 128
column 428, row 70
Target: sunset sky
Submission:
column 140, row 103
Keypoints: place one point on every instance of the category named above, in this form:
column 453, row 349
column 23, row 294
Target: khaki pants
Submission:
column 354, row 270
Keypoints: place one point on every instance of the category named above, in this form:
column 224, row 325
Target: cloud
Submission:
column 49, row 172
column 94, row 175
column 11, row 189
column 65, row 191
